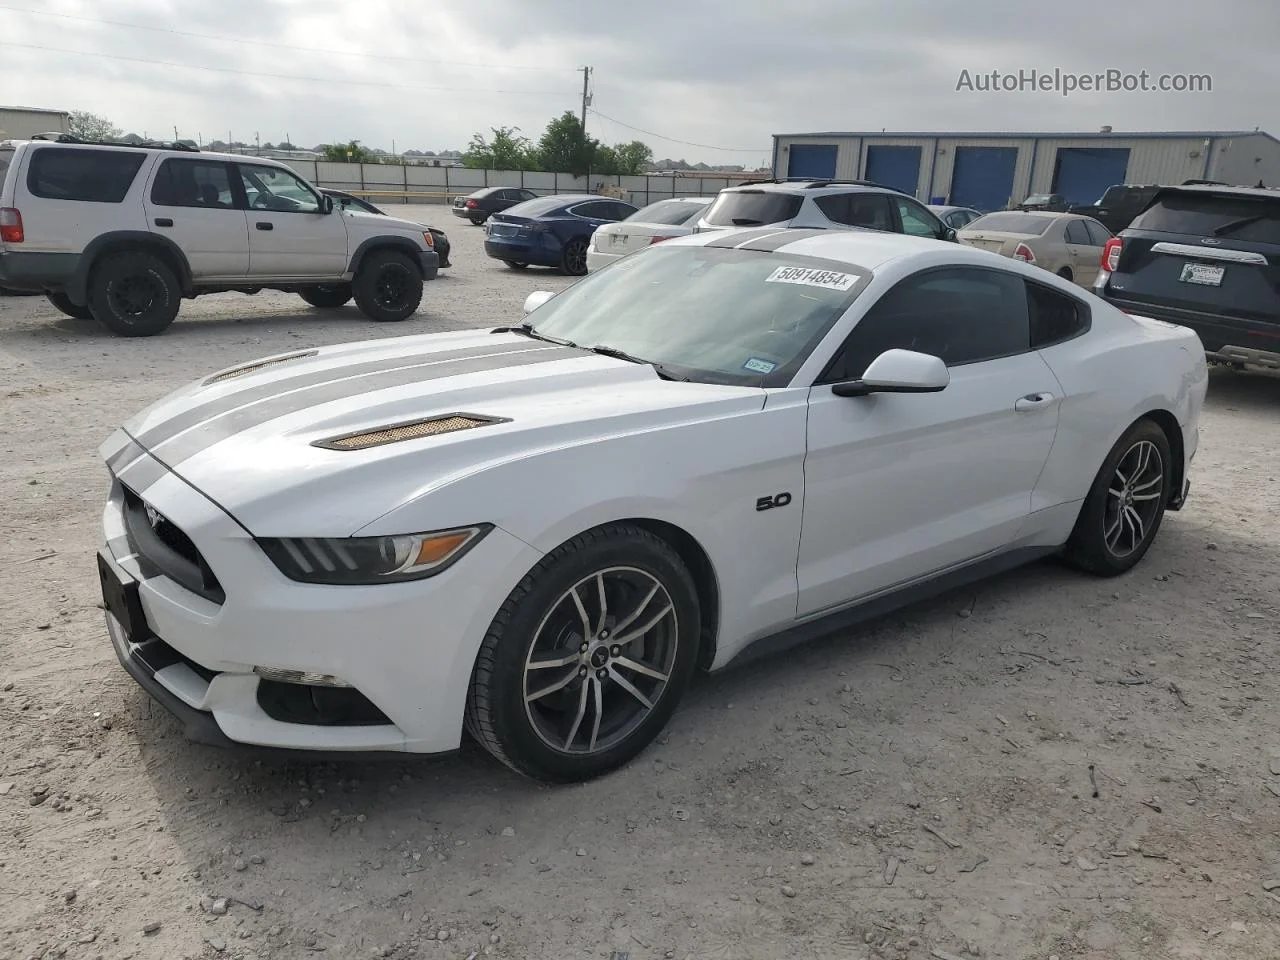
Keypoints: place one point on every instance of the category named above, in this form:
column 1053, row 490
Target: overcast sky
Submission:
column 722, row 74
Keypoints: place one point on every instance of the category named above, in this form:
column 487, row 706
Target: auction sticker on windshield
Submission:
column 811, row 277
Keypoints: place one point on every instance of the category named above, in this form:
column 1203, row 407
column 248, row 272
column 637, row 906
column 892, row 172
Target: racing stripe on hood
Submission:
column 219, row 426
column 251, row 392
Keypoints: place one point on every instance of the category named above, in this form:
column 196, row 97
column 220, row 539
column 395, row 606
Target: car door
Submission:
column 915, row 219
column 899, row 486
column 290, row 235
column 1085, row 257
column 193, row 203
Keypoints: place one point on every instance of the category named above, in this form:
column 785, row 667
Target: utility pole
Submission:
column 586, row 98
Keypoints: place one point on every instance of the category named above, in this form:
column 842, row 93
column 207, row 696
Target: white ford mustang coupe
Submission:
column 540, row 532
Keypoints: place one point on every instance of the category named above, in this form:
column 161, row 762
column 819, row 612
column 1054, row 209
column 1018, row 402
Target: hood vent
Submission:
column 255, row 367
column 412, row 430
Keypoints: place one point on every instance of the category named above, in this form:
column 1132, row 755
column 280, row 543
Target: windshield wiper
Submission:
column 528, row 331
column 617, row 354
column 1236, row 224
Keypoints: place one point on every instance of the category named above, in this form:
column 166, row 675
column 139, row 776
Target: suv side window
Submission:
column 1097, row 233
column 959, row 314
column 870, row 210
column 277, row 190
column 193, row 183
column 1076, row 233
column 916, row 220
column 1055, row 317
column 90, row 176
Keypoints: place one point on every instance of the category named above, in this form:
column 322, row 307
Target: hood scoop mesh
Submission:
column 412, row 430
column 255, row 367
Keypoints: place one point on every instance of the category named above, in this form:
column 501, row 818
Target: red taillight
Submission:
column 1023, row 253
column 654, row 240
column 10, row 225
column 1111, row 254
column 471, row 204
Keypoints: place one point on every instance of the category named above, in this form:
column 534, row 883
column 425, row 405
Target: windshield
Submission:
column 706, row 313
column 1012, row 223
column 670, row 213
column 753, row 208
column 1206, row 215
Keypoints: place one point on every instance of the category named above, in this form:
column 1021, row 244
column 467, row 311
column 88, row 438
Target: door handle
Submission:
column 1033, row 401
column 163, row 222
column 265, row 225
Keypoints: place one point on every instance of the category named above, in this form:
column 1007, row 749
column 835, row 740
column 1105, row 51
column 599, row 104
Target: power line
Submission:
column 283, row 76
column 278, row 46
column 687, row 143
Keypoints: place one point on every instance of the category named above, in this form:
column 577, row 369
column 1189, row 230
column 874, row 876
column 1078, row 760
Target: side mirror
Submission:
column 949, row 234
column 898, row 371
column 536, row 299
column 326, row 204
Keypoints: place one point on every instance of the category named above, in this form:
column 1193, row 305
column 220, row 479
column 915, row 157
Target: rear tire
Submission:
column 388, row 287
column 63, row 303
column 134, row 293
column 477, row 220
column 1066, row 274
column 1126, row 504
column 541, row 720
column 574, row 259
column 327, row 297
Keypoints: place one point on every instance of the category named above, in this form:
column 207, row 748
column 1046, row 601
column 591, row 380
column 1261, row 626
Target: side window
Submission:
column 1076, row 233
column 1097, row 233
column 956, row 219
column 959, row 314
column 90, row 176
column 916, row 220
column 869, row 210
column 277, row 190
column 193, row 183
column 592, row 210
column 526, row 195
column 1054, row 316
column 621, row 211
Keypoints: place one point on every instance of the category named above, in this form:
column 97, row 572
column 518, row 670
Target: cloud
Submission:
column 714, row 72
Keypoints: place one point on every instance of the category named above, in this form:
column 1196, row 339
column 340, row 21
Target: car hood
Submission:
column 253, row 438
column 382, row 221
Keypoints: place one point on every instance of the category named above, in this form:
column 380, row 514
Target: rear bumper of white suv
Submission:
column 36, row 272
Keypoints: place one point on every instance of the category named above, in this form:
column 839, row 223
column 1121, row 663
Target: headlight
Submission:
column 367, row 560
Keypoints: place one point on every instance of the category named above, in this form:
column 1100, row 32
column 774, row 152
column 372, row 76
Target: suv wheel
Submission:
column 388, row 287
column 134, row 294
column 63, row 303
column 327, row 297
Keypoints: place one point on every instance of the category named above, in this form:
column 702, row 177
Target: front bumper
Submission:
column 404, row 650
column 429, row 262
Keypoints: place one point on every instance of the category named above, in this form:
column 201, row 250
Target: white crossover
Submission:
column 720, row 444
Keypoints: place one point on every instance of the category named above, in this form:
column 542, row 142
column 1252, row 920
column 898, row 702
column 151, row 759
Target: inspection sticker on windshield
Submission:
column 829, row 279
column 756, row 365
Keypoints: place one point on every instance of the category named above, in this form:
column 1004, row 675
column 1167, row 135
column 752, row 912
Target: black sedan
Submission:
column 346, row 200
column 481, row 205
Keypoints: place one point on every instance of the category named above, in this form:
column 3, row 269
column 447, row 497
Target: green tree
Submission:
column 506, row 151
column 351, row 152
column 90, row 126
column 563, row 147
column 632, row 159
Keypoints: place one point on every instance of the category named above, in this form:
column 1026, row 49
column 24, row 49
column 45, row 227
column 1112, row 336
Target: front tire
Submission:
column 134, row 294
column 1125, row 505
column 327, row 297
column 574, row 259
column 585, row 661
column 64, row 304
column 388, row 287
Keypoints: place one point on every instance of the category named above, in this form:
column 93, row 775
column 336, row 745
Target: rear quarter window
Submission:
column 1255, row 219
column 88, row 176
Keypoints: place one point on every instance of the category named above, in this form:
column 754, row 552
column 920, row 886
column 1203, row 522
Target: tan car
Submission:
column 1063, row 243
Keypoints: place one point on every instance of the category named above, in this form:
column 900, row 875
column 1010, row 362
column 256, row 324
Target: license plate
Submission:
column 120, row 597
column 618, row 239
column 1205, row 274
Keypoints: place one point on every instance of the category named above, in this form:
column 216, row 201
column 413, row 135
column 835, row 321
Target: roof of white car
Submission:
column 869, row 249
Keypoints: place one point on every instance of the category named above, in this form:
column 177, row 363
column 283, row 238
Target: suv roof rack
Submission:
column 811, row 183
column 57, row 137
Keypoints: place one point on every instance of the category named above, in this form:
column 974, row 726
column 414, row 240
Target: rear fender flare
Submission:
column 77, row 287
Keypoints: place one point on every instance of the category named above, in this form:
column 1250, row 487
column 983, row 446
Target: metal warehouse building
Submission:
column 990, row 171
column 19, row 123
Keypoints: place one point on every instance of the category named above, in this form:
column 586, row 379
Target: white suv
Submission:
column 121, row 234
column 823, row 205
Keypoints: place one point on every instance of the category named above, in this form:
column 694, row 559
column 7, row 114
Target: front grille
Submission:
column 163, row 548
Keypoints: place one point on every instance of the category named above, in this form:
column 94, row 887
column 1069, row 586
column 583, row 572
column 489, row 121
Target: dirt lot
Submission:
column 922, row 788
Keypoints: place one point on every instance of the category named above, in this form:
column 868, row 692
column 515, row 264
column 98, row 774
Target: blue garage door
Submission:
column 897, row 167
column 816, row 160
column 982, row 177
column 1082, row 174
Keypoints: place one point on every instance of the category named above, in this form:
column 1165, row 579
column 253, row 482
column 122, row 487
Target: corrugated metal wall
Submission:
column 20, row 124
column 1246, row 160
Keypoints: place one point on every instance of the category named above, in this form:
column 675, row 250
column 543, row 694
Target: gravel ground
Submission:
column 1045, row 766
